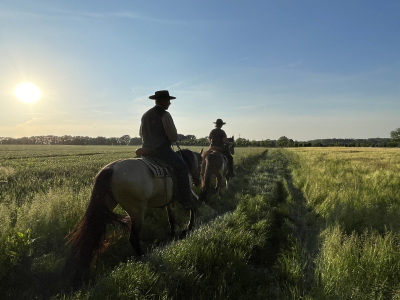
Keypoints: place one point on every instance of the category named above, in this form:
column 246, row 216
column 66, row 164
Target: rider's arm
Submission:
column 169, row 127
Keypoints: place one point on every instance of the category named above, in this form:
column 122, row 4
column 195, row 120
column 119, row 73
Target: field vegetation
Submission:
column 297, row 223
column 353, row 198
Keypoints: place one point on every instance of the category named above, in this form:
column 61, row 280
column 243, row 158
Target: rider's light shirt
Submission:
column 169, row 127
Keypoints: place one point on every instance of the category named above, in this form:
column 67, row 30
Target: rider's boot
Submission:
column 188, row 203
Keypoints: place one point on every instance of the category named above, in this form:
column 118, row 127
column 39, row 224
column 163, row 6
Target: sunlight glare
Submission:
column 27, row 92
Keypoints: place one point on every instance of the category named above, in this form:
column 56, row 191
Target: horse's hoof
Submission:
column 183, row 234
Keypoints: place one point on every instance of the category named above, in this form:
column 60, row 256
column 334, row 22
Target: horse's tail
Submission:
column 205, row 183
column 88, row 238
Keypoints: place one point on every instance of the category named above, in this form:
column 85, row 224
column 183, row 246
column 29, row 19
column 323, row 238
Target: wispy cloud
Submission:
column 236, row 61
column 63, row 14
column 17, row 15
column 256, row 105
column 176, row 84
column 141, row 98
column 44, row 113
column 132, row 15
column 289, row 65
column 31, row 121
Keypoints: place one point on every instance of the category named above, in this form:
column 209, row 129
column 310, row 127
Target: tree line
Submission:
column 393, row 141
column 191, row 140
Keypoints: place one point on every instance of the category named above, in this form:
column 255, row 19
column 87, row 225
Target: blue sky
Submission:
column 302, row 69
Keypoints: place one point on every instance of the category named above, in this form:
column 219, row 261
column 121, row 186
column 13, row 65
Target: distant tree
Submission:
column 241, row 142
column 125, row 139
column 395, row 135
column 135, row 141
column 282, row 141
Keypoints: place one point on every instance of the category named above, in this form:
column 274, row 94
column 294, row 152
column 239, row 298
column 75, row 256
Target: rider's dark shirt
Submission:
column 216, row 137
column 152, row 129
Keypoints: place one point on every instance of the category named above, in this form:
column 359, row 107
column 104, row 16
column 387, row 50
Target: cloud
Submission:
column 236, row 61
column 257, row 105
column 63, row 14
column 288, row 66
column 17, row 15
column 176, row 84
column 141, row 98
column 44, row 113
column 29, row 122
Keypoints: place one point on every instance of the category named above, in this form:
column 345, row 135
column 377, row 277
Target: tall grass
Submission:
column 355, row 196
column 45, row 192
column 232, row 256
column 295, row 224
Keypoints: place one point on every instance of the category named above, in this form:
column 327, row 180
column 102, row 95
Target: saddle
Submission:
column 157, row 166
column 213, row 149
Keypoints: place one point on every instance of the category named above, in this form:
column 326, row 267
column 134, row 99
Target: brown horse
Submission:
column 215, row 164
column 130, row 184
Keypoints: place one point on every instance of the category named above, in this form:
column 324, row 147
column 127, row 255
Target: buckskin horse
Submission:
column 215, row 164
column 131, row 184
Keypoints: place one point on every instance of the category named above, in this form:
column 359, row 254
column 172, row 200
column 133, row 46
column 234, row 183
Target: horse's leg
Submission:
column 134, row 238
column 191, row 220
column 219, row 181
column 189, row 225
column 227, row 179
column 171, row 219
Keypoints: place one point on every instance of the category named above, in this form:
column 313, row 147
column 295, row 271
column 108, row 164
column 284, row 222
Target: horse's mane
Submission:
column 187, row 158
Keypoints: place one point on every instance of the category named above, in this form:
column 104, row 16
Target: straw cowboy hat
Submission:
column 161, row 94
column 219, row 121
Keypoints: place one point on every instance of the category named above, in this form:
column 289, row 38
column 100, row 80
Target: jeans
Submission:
column 181, row 172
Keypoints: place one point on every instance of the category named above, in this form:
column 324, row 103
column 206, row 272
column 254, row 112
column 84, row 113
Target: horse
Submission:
column 215, row 163
column 130, row 184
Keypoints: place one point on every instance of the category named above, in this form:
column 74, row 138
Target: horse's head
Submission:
column 232, row 147
column 193, row 160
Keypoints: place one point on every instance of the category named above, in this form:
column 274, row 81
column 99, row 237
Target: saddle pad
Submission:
column 156, row 166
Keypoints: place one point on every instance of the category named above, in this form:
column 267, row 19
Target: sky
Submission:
column 309, row 69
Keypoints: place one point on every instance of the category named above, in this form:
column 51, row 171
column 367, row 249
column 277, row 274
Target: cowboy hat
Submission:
column 219, row 121
column 161, row 94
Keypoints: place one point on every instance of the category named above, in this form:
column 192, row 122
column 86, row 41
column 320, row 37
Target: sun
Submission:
column 27, row 92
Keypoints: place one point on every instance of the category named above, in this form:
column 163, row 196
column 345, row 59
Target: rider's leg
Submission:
column 229, row 156
column 182, row 175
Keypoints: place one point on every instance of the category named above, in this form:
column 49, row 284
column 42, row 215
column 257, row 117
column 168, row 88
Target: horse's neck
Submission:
column 187, row 157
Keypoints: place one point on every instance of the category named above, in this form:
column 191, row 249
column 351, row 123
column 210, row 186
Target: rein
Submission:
column 196, row 162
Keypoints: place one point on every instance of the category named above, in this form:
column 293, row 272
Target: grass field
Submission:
column 352, row 197
column 299, row 223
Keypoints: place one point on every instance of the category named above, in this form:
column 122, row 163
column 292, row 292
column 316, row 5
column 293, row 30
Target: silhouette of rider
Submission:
column 219, row 139
column 158, row 131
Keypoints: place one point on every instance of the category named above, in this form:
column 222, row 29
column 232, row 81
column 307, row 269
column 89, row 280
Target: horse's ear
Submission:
column 201, row 151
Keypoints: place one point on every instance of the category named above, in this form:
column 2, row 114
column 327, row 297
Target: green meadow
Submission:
column 298, row 223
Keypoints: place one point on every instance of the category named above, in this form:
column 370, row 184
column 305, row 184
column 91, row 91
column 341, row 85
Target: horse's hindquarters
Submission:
column 135, row 188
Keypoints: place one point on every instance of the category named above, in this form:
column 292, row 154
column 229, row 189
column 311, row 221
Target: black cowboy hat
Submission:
column 219, row 121
column 161, row 94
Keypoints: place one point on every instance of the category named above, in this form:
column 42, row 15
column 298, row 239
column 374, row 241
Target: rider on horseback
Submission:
column 219, row 139
column 158, row 131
